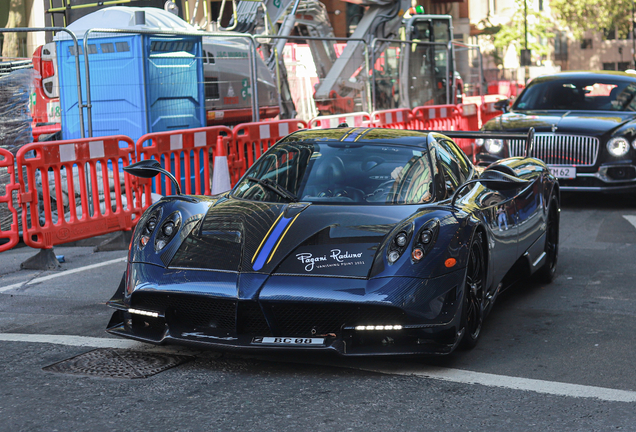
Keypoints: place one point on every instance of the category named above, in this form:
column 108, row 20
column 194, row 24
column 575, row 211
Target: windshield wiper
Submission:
column 275, row 187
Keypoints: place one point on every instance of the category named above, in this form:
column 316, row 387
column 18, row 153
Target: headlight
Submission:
column 425, row 240
column 167, row 231
column 493, row 145
column 149, row 227
column 398, row 244
column 634, row 144
column 618, row 146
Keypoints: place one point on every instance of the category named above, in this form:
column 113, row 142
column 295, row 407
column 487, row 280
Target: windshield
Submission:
column 586, row 94
column 339, row 173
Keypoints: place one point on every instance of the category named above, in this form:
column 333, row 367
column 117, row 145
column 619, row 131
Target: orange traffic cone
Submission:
column 221, row 175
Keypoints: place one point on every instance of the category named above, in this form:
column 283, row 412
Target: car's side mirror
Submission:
column 502, row 105
column 148, row 169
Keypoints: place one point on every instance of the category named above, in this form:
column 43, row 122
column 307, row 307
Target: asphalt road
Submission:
column 558, row 357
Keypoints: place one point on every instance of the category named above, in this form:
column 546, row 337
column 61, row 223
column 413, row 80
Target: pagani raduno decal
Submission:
column 360, row 241
column 348, row 260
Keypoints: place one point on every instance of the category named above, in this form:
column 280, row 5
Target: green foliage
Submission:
column 513, row 33
column 582, row 15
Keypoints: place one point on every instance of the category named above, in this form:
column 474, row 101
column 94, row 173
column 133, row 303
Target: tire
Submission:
column 473, row 310
column 547, row 272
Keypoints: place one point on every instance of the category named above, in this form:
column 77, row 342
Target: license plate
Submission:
column 288, row 341
column 563, row 172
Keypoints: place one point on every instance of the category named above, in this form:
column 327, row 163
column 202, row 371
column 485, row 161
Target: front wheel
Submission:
column 547, row 272
column 474, row 294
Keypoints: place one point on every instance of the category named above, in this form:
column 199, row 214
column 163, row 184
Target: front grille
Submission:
column 553, row 149
column 300, row 320
column 251, row 319
column 197, row 311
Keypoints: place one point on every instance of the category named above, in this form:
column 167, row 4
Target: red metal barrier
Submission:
column 468, row 121
column 187, row 154
column 436, row 117
column 399, row 118
column 355, row 119
column 488, row 111
column 11, row 236
column 251, row 140
column 58, row 172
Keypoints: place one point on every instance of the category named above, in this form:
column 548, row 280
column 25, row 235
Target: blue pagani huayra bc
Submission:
column 360, row 241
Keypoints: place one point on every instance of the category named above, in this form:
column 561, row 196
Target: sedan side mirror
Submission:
column 502, row 105
column 148, row 169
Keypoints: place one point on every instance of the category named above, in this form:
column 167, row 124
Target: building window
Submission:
column 586, row 44
column 560, row 46
column 609, row 66
column 609, row 34
column 623, row 66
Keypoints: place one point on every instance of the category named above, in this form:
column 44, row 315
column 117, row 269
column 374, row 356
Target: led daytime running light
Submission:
column 143, row 312
column 378, row 327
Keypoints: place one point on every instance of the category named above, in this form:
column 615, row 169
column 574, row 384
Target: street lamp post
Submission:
column 525, row 31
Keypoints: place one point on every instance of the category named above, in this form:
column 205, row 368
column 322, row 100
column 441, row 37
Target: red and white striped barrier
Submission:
column 436, row 117
column 357, row 119
column 185, row 153
column 251, row 140
column 11, row 236
column 83, row 192
column 398, row 118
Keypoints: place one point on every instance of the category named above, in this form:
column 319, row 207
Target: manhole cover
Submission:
column 114, row 363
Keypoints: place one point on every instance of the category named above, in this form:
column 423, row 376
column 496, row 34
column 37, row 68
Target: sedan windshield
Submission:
column 339, row 173
column 580, row 94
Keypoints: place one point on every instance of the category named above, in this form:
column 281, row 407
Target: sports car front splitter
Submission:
column 349, row 342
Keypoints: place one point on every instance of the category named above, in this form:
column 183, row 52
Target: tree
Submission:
column 513, row 33
column 582, row 15
column 11, row 42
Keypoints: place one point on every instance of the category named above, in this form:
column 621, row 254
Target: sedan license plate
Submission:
column 288, row 341
column 563, row 172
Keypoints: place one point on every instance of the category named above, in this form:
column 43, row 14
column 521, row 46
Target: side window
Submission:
column 457, row 169
column 453, row 175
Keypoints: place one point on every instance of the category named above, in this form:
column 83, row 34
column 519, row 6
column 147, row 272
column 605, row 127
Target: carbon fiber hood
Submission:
column 296, row 238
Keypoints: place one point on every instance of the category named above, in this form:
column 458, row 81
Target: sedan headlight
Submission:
column 634, row 144
column 618, row 146
column 493, row 146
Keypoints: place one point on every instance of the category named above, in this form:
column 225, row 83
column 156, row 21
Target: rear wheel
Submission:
column 547, row 272
column 474, row 294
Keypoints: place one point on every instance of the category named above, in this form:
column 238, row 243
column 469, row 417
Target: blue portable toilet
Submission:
column 139, row 83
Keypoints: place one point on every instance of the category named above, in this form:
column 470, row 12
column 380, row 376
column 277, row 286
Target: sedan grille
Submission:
column 570, row 150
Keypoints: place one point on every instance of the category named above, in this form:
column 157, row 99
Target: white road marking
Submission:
column 509, row 382
column 438, row 373
column 631, row 219
column 62, row 273
column 81, row 341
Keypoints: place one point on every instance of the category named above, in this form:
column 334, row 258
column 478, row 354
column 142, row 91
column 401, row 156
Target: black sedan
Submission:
column 354, row 240
column 586, row 129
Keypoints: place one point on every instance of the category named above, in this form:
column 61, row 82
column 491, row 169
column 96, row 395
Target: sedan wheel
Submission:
column 474, row 296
